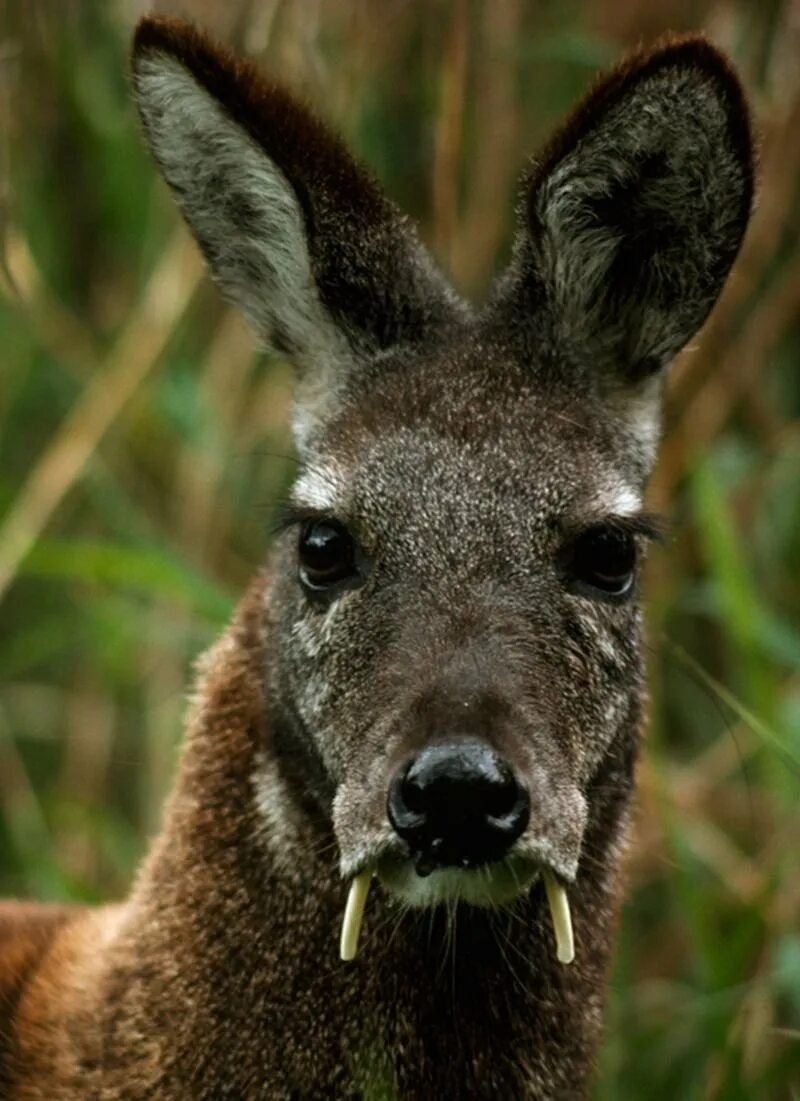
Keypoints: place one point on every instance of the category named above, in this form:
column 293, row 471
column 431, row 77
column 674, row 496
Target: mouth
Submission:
column 488, row 886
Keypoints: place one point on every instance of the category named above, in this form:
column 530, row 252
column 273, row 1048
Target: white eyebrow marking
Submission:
column 621, row 501
column 322, row 490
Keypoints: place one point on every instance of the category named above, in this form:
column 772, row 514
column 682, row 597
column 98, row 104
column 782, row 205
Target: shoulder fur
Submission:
column 27, row 933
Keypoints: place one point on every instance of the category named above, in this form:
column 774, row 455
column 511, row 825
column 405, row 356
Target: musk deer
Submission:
column 436, row 686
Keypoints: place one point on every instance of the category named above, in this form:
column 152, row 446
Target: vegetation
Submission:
column 143, row 447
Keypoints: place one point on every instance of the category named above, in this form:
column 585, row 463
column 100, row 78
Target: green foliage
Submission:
column 143, row 448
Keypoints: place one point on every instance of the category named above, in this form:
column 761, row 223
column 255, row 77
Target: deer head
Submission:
column 455, row 673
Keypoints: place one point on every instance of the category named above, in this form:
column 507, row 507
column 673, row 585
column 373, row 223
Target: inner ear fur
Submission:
column 692, row 52
column 636, row 209
column 371, row 273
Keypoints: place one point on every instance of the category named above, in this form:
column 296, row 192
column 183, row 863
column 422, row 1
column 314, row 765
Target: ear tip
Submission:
column 678, row 48
column 180, row 39
column 689, row 51
column 159, row 32
column 212, row 64
column 696, row 52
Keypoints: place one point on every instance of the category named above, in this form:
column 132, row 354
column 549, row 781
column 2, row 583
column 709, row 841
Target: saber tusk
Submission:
column 562, row 919
column 353, row 913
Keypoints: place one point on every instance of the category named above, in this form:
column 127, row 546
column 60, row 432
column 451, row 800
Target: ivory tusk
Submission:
column 353, row 914
column 562, row 919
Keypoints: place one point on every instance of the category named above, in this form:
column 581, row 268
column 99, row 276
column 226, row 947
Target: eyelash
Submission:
column 650, row 526
column 291, row 516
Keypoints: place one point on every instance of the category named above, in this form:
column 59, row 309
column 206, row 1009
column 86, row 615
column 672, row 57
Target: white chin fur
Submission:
column 488, row 887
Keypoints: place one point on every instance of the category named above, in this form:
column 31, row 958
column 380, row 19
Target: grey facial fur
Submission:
column 464, row 625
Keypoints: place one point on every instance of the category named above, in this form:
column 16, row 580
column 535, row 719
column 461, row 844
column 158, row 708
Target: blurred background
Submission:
column 143, row 448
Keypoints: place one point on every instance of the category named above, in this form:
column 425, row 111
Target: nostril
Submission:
column 510, row 821
column 405, row 806
column 501, row 794
column 413, row 792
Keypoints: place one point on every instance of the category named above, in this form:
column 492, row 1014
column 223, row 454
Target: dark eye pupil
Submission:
column 605, row 558
column 326, row 553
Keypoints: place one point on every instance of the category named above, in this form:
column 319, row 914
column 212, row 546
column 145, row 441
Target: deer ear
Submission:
column 635, row 212
column 298, row 235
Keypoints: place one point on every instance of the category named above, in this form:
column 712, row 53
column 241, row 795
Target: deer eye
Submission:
column 327, row 554
column 603, row 559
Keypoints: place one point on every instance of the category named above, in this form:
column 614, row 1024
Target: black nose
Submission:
column 457, row 805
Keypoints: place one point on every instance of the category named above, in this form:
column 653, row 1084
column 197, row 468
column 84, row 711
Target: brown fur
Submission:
column 465, row 452
column 151, row 1000
column 27, row 933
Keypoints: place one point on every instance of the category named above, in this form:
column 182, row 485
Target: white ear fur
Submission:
column 245, row 216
